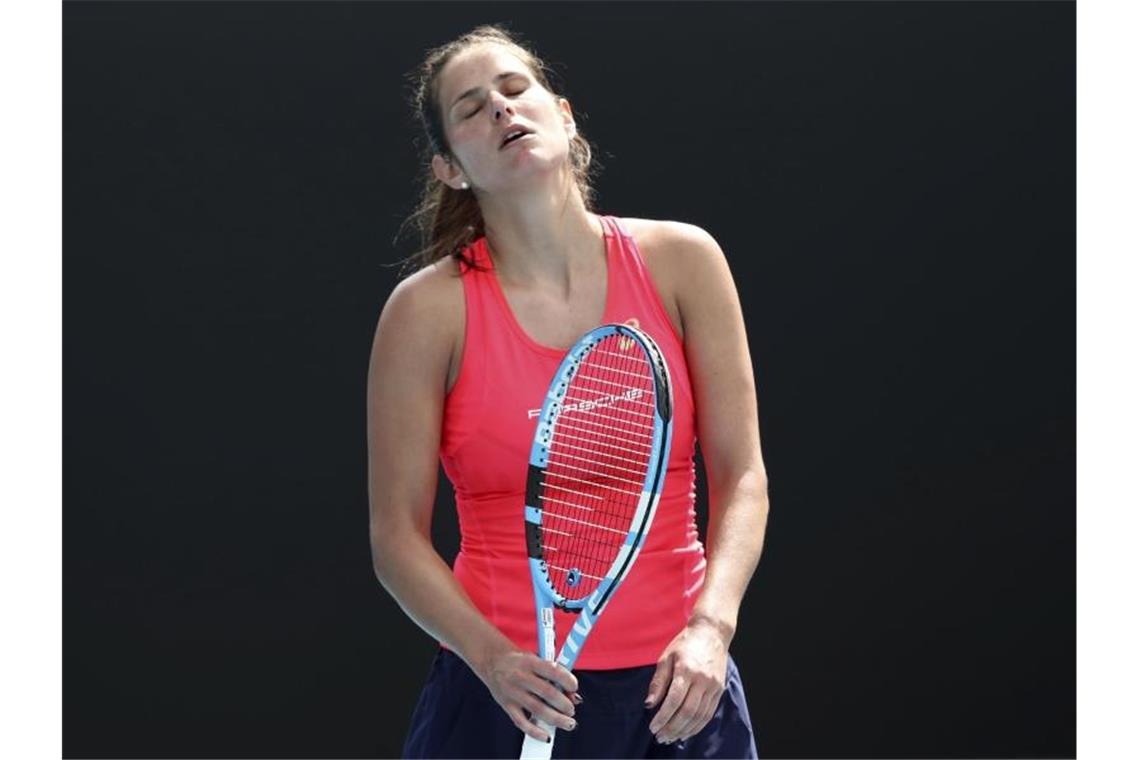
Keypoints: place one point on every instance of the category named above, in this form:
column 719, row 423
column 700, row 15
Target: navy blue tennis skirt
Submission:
column 456, row 716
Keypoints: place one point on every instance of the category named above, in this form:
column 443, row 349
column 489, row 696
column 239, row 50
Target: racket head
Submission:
column 597, row 465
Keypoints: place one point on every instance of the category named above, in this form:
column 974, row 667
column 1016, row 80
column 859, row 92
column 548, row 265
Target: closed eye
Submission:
column 480, row 108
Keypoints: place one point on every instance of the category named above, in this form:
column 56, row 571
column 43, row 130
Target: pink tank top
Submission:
column 488, row 425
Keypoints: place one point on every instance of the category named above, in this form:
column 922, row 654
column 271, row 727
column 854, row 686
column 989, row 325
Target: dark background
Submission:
column 894, row 187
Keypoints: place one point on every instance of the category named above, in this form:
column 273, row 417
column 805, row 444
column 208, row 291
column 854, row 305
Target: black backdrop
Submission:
column 894, row 187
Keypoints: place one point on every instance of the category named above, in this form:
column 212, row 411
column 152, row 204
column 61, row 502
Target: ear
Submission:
column 567, row 116
column 446, row 171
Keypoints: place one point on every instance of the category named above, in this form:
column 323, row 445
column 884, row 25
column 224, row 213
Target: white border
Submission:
column 1108, row 380
column 30, row 296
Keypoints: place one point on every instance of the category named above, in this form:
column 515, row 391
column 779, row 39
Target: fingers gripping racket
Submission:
column 597, row 466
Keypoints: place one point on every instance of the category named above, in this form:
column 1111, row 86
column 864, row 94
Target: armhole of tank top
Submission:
column 650, row 283
column 464, row 353
column 466, row 359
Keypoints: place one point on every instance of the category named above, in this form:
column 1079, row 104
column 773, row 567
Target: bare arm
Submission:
column 690, row 677
column 716, row 350
column 406, row 378
column 406, row 388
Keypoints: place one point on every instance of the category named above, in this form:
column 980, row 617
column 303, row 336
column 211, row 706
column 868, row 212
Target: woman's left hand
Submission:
column 690, row 675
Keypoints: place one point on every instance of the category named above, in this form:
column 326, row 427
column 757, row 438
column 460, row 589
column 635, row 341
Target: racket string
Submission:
column 614, row 371
column 646, row 442
column 611, row 465
column 592, row 482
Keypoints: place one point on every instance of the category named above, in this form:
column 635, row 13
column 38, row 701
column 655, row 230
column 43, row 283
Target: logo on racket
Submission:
column 625, row 344
column 609, row 399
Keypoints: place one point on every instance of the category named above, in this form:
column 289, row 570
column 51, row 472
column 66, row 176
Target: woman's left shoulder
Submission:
column 672, row 245
column 684, row 259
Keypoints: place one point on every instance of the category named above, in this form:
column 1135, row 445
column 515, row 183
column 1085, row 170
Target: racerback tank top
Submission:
column 488, row 425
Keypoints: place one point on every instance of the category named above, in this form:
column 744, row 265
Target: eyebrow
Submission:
column 498, row 78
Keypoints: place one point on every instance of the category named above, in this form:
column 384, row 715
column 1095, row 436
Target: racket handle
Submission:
column 536, row 749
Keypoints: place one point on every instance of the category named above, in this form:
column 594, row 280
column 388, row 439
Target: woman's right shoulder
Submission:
column 425, row 312
column 437, row 282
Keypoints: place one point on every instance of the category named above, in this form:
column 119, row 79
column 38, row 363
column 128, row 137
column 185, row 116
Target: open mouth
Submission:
column 514, row 139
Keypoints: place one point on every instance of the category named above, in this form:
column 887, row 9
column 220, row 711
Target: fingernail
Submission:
column 573, row 725
column 576, row 698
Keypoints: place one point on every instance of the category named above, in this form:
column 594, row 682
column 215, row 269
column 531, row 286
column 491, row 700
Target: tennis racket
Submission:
column 597, row 466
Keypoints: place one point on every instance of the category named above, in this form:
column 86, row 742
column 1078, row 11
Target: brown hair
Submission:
column 449, row 220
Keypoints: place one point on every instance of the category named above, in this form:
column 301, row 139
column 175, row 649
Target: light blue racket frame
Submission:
column 546, row 597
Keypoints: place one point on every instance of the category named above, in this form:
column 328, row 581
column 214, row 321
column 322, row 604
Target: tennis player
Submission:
column 516, row 267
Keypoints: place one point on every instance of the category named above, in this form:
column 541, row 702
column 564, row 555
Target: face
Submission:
column 481, row 92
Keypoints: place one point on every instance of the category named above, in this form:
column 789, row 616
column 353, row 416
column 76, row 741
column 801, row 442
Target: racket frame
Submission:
column 546, row 596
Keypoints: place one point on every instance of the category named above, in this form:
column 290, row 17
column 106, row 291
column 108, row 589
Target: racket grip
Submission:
column 536, row 749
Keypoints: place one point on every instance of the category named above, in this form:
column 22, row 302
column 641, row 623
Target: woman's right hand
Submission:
column 520, row 680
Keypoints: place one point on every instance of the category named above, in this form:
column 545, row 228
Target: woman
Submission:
column 516, row 268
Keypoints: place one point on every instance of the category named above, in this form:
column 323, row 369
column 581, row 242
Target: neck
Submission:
column 542, row 243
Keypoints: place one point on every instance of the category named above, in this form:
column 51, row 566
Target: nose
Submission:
column 500, row 105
